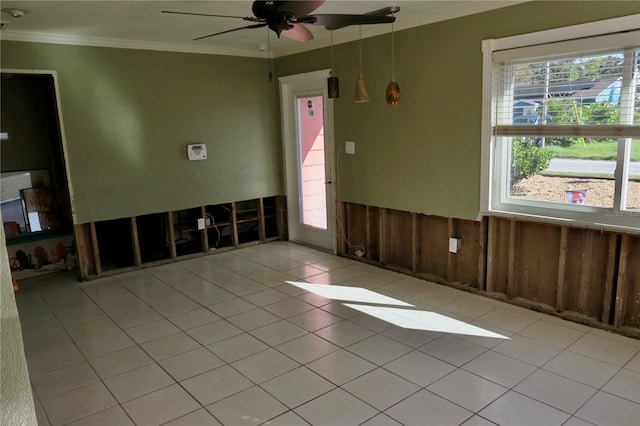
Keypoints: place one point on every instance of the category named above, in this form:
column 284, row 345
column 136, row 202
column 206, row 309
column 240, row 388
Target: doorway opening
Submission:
column 308, row 145
column 35, row 196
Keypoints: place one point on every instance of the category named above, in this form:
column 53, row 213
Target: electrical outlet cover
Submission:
column 454, row 245
column 200, row 223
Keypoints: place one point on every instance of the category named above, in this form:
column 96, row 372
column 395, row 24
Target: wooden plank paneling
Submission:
column 433, row 246
column 84, row 249
column 482, row 254
column 373, row 237
column 397, row 235
column 608, row 305
column 536, row 255
column 562, row 261
column 356, row 227
column 281, row 218
column 234, row 225
column 137, row 258
column 590, row 276
column 464, row 265
column 95, row 249
column 586, row 272
column 261, row 224
column 511, row 256
column 373, row 234
column 172, row 236
column 628, row 296
column 498, row 255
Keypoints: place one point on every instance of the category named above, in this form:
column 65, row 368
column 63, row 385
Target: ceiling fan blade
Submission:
column 246, row 18
column 268, row 9
column 232, row 30
column 389, row 10
column 298, row 33
column 335, row 21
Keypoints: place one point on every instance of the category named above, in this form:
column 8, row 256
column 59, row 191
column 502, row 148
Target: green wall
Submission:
column 424, row 155
column 129, row 115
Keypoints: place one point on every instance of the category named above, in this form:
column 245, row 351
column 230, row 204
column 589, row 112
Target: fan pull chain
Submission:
column 331, row 32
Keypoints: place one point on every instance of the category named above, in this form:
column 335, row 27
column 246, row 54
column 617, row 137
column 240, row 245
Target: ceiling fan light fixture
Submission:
column 14, row 12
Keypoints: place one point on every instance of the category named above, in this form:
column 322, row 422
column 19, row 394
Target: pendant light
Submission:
column 361, row 89
column 333, row 84
column 393, row 89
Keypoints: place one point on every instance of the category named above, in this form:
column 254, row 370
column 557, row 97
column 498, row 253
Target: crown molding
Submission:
column 127, row 44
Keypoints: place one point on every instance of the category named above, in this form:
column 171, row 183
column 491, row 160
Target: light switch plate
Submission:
column 200, row 223
column 350, row 147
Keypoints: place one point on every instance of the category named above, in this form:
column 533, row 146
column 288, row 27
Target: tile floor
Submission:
column 226, row 339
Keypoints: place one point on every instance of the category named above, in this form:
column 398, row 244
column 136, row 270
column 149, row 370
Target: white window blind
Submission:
column 11, row 186
column 590, row 94
column 561, row 125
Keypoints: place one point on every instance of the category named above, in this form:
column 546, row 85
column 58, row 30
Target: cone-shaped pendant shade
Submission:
column 361, row 91
column 393, row 94
column 333, row 87
column 361, row 88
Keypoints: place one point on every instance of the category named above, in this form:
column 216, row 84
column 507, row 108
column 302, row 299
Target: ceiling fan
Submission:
column 287, row 18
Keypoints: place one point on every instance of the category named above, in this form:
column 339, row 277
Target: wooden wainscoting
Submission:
column 585, row 275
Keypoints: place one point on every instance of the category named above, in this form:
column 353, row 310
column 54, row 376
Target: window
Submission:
column 561, row 124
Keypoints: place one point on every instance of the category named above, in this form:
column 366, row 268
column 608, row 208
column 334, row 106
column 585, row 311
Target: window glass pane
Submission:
column 633, row 185
column 578, row 171
column 577, row 90
column 313, row 188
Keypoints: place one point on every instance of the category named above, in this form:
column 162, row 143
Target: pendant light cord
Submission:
column 360, row 32
column 393, row 74
column 331, row 32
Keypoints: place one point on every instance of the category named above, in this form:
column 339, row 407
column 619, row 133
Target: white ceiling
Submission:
column 140, row 24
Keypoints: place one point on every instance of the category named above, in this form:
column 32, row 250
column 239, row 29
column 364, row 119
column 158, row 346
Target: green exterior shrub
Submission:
column 527, row 160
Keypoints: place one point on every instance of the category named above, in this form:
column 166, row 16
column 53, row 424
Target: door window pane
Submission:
column 313, row 209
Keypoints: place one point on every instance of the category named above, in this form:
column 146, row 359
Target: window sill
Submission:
column 574, row 223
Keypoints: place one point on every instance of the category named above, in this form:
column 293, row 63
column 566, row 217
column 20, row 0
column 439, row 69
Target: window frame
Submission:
column 493, row 177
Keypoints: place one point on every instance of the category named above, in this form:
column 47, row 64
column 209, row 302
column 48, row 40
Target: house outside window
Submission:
column 561, row 125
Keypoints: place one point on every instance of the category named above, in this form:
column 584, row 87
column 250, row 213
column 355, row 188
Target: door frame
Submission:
column 62, row 142
column 290, row 155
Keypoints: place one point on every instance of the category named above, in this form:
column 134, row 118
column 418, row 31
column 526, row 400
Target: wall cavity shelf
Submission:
column 125, row 244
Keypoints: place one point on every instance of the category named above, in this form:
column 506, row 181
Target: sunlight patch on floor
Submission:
column 382, row 307
column 350, row 294
column 424, row 320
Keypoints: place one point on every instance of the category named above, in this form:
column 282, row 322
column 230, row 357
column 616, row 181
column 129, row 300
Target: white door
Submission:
column 307, row 117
